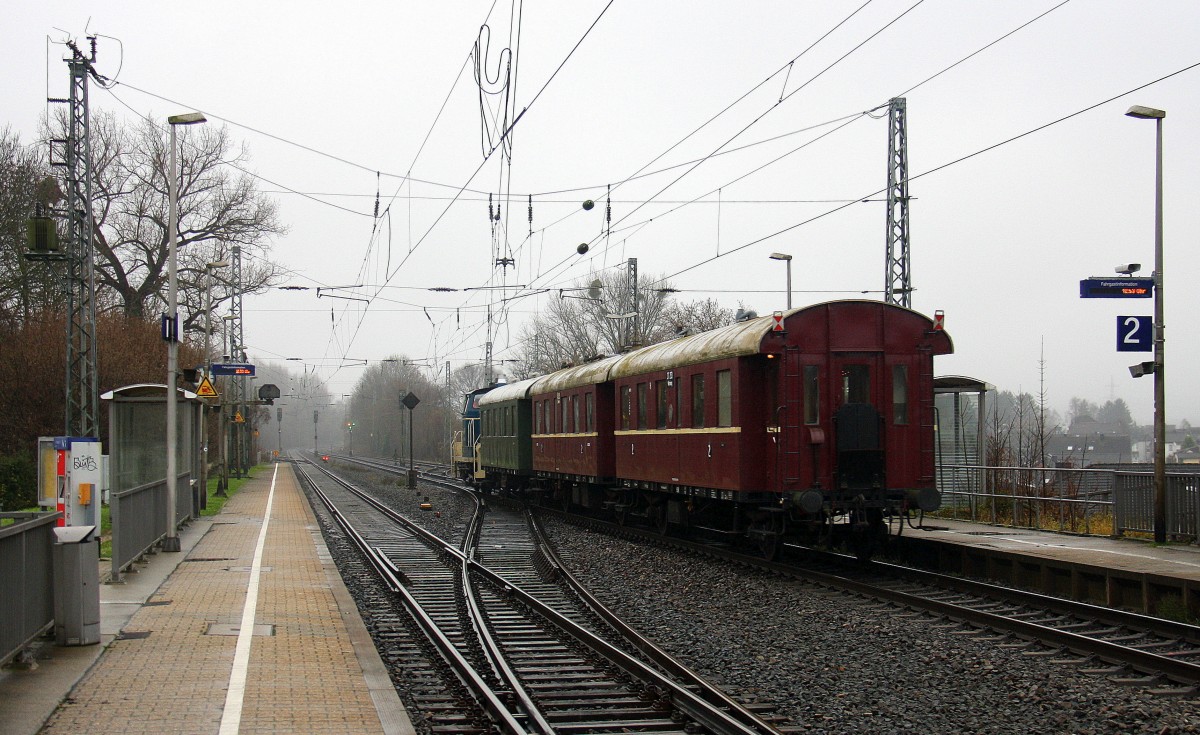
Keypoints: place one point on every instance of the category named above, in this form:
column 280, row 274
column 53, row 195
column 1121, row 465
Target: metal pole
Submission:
column 171, row 542
column 204, row 405
column 1160, row 427
column 789, row 283
column 412, row 472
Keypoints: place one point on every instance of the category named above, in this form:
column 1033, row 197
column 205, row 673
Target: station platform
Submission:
column 249, row 629
column 1131, row 574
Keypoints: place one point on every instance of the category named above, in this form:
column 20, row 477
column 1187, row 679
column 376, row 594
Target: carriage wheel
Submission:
column 661, row 524
column 769, row 547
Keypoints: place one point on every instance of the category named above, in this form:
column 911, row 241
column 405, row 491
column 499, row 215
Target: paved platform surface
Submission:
column 1130, row 555
column 175, row 655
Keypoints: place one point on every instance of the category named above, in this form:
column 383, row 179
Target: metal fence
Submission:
column 26, row 580
column 138, row 519
column 1134, row 504
column 1089, row 501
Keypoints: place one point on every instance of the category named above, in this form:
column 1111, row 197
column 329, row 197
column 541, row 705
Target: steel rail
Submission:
column 471, row 679
column 666, row 661
column 490, row 646
column 711, row 716
column 1173, row 668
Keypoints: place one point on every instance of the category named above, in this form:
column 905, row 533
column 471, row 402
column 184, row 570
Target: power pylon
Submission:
column 898, row 285
column 74, row 155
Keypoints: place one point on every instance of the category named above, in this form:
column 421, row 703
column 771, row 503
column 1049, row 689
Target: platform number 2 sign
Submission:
column 1135, row 334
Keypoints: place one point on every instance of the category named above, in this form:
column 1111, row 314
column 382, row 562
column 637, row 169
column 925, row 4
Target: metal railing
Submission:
column 26, row 580
column 1087, row 501
column 138, row 518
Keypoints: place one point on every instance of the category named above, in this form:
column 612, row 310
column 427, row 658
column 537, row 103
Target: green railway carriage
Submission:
column 505, row 445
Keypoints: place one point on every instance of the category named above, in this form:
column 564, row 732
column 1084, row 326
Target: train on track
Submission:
column 816, row 426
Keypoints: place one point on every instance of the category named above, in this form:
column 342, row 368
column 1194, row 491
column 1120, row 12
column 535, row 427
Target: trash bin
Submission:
column 76, row 586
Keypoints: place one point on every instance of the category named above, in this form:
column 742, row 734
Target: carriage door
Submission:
column 785, row 420
column 858, row 421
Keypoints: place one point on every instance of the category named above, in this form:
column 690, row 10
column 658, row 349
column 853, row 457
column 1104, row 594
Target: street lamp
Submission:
column 171, row 325
column 787, row 259
column 1160, row 425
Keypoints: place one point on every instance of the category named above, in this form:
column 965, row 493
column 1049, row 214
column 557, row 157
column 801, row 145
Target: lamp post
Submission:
column 787, row 259
column 1160, row 425
column 171, row 325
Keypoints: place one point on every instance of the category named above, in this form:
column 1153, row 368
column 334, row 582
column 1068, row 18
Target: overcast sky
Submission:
column 999, row 240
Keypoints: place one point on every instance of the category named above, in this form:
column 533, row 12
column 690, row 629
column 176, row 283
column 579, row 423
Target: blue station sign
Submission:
column 1135, row 334
column 232, row 368
column 1116, row 288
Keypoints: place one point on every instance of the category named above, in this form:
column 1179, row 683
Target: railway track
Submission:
column 1129, row 648
column 529, row 656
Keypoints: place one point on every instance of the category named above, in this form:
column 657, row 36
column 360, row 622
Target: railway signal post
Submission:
column 409, row 400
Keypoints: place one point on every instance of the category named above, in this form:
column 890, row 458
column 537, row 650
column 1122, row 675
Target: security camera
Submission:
column 1129, row 269
column 1142, row 368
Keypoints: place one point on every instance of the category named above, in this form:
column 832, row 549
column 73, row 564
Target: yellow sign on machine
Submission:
column 237, row 418
column 206, row 389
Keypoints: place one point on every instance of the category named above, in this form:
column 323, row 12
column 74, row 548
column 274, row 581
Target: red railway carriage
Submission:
column 830, row 417
column 747, row 429
column 573, row 424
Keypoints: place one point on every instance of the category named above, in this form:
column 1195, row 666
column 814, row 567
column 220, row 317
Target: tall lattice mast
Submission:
column 237, row 353
column 898, row 286
column 74, row 155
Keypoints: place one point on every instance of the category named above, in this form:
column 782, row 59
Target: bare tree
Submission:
column 26, row 286
column 381, row 425
column 219, row 207
column 698, row 316
column 597, row 315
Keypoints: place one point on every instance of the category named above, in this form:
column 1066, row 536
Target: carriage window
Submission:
column 900, row 394
column 537, row 414
column 576, row 427
column 625, row 406
column 812, row 396
column 724, row 398
column 590, row 400
column 641, row 412
column 565, row 403
column 660, row 396
column 856, row 384
column 697, row 401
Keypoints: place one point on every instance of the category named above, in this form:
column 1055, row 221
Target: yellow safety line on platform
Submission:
column 231, row 717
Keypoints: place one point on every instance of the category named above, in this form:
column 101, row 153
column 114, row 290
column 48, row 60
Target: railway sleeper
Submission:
column 609, row 713
column 1181, row 691
column 1148, row 680
column 655, row 725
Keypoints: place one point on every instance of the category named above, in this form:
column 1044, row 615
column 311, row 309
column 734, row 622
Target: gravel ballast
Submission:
column 834, row 663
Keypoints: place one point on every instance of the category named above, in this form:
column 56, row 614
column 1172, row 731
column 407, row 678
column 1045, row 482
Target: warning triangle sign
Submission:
column 206, row 389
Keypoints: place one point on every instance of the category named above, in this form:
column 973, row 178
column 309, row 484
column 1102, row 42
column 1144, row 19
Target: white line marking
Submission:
column 1002, row 537
column 231, row 717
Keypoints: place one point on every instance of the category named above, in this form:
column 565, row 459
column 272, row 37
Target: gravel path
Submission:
column 837, row 664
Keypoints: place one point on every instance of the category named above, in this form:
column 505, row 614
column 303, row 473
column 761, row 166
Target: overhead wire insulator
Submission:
column 608, row 213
